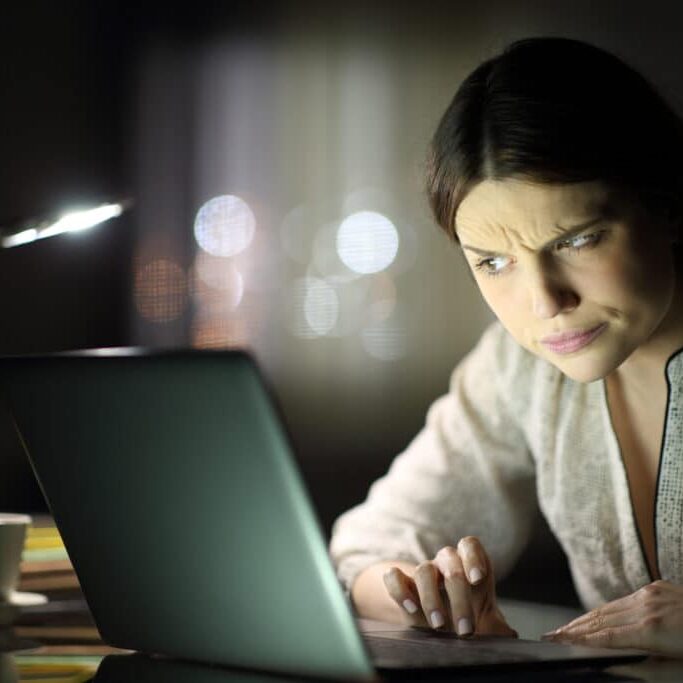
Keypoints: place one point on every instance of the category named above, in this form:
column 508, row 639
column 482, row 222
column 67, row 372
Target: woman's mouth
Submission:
column 571, row 340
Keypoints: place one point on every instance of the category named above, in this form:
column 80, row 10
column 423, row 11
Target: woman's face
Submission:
column 578, row 275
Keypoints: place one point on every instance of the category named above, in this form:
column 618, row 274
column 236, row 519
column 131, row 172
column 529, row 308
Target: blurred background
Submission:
column 274, row 156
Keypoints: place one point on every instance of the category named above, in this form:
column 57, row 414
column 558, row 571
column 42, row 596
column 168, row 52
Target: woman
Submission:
column 557, row 169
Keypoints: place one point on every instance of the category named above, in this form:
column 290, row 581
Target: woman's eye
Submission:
column 496, row 265
column 492, row 265
column 580, row 241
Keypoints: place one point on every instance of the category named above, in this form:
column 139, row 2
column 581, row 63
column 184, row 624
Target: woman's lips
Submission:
column 572, row 340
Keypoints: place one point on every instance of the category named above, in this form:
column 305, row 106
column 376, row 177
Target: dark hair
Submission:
column 556, row 110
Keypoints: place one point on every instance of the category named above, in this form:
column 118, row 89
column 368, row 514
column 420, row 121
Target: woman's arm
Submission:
column 468, row 472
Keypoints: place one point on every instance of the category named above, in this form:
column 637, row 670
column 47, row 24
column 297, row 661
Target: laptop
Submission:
column 173, row 483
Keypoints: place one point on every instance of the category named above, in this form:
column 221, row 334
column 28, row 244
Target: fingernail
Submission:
column 476, row 575
column 437, row 619
column 464, row 627
column 409, row 606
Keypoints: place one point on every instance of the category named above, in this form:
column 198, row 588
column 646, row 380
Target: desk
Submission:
column 531, row 620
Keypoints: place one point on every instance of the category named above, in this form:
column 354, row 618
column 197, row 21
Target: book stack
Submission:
column 70, row 647
column 45, row 564
column 64, row 624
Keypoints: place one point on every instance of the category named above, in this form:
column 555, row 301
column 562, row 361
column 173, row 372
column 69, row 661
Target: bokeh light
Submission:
column 321, row 306
column 216, row 283
column 313, row 308
column 160, row 290
column 367, row 242
column 219, row 333
column 224, row 226
column 325, row 259
column 385, row 340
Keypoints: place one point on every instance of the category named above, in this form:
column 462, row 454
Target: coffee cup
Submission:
column 12, row 536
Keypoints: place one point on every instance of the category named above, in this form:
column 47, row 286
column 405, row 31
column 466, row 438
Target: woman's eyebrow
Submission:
column 567, row 233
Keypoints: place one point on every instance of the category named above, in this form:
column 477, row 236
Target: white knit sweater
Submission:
column 511, row 431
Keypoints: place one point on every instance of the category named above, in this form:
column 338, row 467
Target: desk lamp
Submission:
column 75, row 221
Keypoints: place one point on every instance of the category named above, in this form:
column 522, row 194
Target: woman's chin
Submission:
column 588, row 368
column 584, row 375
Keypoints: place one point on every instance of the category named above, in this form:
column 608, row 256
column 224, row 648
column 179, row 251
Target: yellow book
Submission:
column 42, row 531
column 56, row 673
column 43, row 543
column 43, row 538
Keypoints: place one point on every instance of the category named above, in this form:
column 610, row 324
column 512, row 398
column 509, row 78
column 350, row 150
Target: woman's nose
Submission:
column 550, row 295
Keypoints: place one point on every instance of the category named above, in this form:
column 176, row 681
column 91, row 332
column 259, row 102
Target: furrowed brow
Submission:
column 566, row 234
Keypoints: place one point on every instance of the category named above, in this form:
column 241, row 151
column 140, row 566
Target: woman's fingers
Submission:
column 649, row 619
column 428, row 582
column 402, row 589
column 610, row 613
column 457, row 588
column 480, row 575
column 493, row 623
column 475, row 561
column 488, row 619
column 454, row 591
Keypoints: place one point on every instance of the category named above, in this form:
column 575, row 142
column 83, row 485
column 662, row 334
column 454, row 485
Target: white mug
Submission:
column 12, row 536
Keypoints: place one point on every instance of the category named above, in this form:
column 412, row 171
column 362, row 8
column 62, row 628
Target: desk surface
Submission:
column 531, row 620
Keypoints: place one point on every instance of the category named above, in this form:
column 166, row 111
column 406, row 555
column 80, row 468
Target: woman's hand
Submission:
column 649, row 619
column 455, row 591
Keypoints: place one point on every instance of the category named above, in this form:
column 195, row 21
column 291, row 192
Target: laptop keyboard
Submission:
column 438, row 652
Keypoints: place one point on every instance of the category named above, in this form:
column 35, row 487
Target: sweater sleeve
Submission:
column 467, row 472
